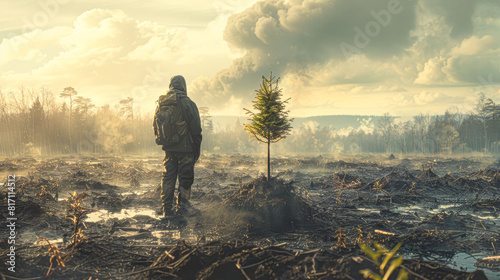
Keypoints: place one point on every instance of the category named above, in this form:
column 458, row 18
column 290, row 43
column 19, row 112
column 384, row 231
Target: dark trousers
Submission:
column 177, row 165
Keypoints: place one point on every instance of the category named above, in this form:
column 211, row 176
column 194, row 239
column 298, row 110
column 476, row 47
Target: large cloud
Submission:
column 425, row 43
column 468, row 47
column 93, row 54
column 289, row 37
column 457, row 13
column 472, row 59
column 108, row 55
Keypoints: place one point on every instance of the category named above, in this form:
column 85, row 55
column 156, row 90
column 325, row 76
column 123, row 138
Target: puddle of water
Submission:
column 18, row 172
column 136, row 234
column 408, row 208
column 371, row 210
column 103, row 215
column 481, row 216
column 56, row 242
column 133, row 193
column 161, row 235
column 485, row 217
column 466, row 260
column 462, row 262
column 413, row 208
column 443, row 206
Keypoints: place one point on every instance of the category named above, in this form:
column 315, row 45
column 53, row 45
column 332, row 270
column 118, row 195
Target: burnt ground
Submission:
column 307, row 223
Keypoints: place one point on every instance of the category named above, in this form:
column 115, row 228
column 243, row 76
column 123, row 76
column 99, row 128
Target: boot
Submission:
column 168, row 211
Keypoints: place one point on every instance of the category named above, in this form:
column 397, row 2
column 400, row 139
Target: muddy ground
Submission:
column 95, row 218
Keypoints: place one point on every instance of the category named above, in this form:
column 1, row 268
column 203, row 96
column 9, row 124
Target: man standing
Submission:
column 177, row 128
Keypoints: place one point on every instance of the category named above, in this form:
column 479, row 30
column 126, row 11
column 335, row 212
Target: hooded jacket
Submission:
column 192, row 142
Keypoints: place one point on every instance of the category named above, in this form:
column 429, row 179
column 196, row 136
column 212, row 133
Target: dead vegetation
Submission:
column 243, row 261
column 95, row 218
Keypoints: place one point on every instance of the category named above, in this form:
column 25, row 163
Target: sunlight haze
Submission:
column 333, row 57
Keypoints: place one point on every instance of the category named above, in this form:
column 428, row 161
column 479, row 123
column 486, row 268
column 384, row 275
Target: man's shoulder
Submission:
column 186, row 100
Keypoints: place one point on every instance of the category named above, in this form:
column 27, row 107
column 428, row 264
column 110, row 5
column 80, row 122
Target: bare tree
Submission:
column 36, row 123
column 448, row 138
column 127, row 108
column 485, row 109
column 69, row 92
column 385, row 126
column 422, row 123
column 206, row 119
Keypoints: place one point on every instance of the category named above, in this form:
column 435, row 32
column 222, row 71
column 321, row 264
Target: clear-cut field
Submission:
column 306, row 223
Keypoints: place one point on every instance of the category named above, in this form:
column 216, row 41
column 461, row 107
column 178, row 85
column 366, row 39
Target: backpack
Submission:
column 170, row 123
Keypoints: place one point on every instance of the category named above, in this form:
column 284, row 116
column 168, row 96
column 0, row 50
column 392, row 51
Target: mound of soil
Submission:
column 428, row 174
column 496, row 164
column 317, row 161
column 36, row 185
column 92, row 185
column 345, row 178
column 392, row 181
column 341, row 164
column 485, row 173
column 464, row 183
column 391, row 157
column 39, row 212
column 495, row 182
column 30, row 210
column 404, row 166
column 81, row 174
column 261, row 207
column 109, row 201
column 450, row 183
column 8, row 165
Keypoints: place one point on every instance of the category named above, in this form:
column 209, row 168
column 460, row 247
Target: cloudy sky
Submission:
column 333, row 56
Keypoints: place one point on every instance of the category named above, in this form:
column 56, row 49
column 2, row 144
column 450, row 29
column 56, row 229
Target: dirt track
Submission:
column 442, row 210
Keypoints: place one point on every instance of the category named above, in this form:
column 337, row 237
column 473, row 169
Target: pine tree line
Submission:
column 36, row 122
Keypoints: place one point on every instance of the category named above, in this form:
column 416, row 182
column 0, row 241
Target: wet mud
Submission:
column 96, row 218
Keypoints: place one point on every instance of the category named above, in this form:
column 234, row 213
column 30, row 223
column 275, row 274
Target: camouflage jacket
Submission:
column 192, row 142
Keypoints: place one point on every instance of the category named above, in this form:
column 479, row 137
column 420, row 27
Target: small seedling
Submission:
column 341, row 238
column 360, row 235
column 412, row 189
column 56, row 255
column 43, row 190
column 58, row 258
column 75, row 202
column 381, row 258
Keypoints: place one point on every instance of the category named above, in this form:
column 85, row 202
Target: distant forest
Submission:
column 42, row 123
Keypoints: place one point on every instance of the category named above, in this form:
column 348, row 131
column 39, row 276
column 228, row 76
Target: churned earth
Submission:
column 90, row 217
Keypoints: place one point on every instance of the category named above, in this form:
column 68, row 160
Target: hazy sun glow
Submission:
column 333, row 56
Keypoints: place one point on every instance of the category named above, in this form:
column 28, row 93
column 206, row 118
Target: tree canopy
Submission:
column 270, row 123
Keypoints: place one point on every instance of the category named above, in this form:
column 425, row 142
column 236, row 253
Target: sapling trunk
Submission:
column 268, row 159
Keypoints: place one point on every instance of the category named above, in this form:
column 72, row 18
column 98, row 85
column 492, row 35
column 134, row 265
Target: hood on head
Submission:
column 179, row 83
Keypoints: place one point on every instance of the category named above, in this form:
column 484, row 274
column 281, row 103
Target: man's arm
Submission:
column 194, row 126
column 154, row 125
